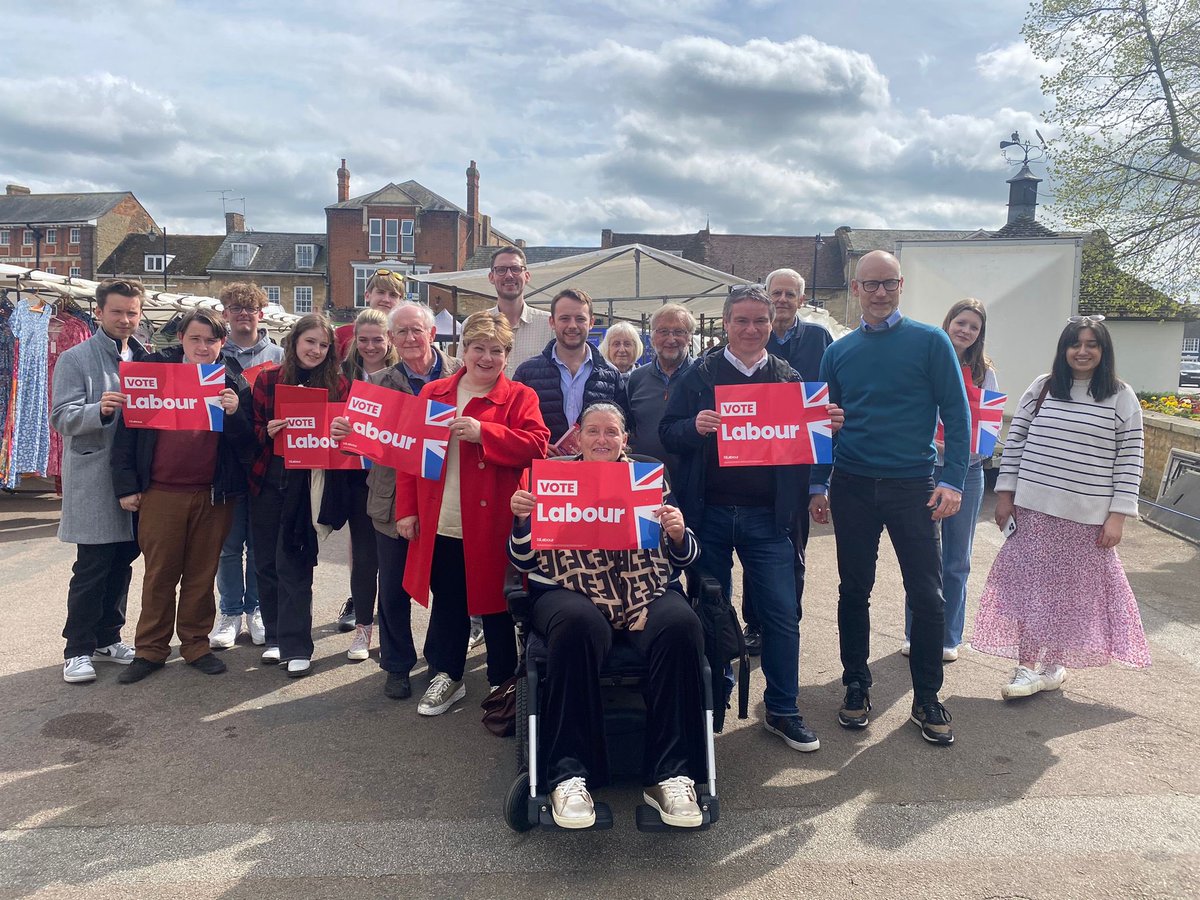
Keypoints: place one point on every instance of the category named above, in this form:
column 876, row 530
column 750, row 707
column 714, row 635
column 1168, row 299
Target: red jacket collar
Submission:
column 448, row 387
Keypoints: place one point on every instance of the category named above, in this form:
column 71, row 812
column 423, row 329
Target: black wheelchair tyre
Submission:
column 522, row 725
column 516, row 804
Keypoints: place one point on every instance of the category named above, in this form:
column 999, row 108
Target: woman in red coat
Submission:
column 498, row 433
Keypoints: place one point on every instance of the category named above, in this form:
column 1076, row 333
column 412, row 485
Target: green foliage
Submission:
column 1127, row 106
column 1106, row 288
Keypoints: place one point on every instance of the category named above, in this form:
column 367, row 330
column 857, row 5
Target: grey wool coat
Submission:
column 91, row 513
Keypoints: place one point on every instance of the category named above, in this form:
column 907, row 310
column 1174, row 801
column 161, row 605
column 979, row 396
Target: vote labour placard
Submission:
column 398, row 430
column 306, row 440
column 286, row 396
column 173, row 396
column 596, row 505
column 774, row 424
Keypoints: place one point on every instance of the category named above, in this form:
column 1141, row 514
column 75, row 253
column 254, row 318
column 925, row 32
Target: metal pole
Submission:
column 166, row 259
column 812, row 285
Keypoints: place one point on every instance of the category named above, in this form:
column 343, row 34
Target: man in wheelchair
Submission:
column 579, row 599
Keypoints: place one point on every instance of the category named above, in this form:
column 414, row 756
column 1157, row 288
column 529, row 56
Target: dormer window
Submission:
column 154, row 263
column 243, row 254
column 305, row 255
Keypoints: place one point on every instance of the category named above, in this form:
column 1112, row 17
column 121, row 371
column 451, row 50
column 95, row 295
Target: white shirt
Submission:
column 744, row 369
column 530, row 336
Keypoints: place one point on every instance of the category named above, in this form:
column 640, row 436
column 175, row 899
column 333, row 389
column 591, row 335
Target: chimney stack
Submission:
column 343, row 175
column 14, row 189
column 235, row 223
column 1022, row 195
column 473, row 238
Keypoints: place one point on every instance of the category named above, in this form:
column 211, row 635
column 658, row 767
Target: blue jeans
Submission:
column 238, row 592
column 958, row 540
column 767, row 556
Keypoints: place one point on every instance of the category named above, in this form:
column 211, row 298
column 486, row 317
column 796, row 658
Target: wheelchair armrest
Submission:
column 520, row 605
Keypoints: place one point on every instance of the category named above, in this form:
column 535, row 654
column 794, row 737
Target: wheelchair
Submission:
column 527, row 803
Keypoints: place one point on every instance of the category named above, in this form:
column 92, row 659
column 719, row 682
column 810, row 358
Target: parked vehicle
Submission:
column 1189, row 374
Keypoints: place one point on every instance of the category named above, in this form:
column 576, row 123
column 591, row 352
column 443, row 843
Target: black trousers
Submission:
column 285, row 577
column 578, row 638
column 364, row 559
column 396, row 650
column 861, row 508
column 97, row 596
column 799, row 534
column 450, row 626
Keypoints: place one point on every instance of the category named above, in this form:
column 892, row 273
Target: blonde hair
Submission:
column 392, row 281
column 622, row 329
column 243, row 293
column 354, row 360
column 486, row 326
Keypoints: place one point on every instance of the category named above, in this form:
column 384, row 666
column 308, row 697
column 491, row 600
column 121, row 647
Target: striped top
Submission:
column 1076, row 459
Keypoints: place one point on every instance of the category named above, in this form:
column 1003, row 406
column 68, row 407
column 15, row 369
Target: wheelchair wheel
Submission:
column 522, row 725
column 516, row 804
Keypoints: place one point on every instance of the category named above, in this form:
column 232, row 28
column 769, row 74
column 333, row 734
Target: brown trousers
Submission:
column 181, row 536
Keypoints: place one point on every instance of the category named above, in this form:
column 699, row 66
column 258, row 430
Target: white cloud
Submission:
column 1014, row 63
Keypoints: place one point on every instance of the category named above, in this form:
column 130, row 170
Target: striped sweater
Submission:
column 1076, row 459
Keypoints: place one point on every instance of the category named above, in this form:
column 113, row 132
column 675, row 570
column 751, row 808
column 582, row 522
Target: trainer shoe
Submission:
column 906, row 648
column 254, row 625
column 675, row 800
column 346, row 616
column 78, row 670
column 138, row 670
column 360, row 647
column 753, row 636
column 949, row 654
column 794, row 732
column 208, row 664
column 298, row 668
column 225, row 632
column 397, row 686
column 1026, row 682
column 476, row 638
column 270, row 656
column 442, row 693
column 934, row 721
column 571, row 804
column 1053, row 678
column 855, row 708
column 120, row 653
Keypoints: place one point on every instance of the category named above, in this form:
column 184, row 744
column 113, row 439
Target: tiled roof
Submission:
column 482, row 257
column 755, row 256
column 410, row 193
column 55, row 209
column 276, row 252
column 691, row 245
column 190, row 254
column 1025, row 227
column 862, row 240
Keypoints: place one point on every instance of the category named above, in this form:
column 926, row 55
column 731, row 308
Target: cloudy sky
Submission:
column 765, row 117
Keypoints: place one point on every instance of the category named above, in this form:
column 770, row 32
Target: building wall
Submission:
column 62, row 254
column 1147, row 353
column 284, row 281
column 126, row 217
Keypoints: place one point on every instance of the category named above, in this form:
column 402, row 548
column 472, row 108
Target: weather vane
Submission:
column 1030, row 150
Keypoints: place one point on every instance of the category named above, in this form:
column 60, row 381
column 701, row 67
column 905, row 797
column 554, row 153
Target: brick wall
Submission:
column 126, row 217
column 1164, row 433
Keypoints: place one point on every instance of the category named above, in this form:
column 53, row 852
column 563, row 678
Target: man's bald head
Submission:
column 877, row 284
column 873, row 261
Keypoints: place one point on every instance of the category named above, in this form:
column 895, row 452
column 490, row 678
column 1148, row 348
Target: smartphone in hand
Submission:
column 1010, row 527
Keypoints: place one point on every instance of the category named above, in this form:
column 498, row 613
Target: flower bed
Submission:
column 1181, row 405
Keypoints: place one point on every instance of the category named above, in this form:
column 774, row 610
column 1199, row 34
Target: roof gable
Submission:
column 410, row 193
column 190, row 254
column 53, row 209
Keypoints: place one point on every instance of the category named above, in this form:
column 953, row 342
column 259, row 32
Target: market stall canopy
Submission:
column 160, row 307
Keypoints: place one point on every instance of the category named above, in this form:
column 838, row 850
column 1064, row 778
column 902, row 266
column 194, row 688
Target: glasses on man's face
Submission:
column 679, row 333
column 508, row 270
column 1085, row 320
column 888, row 284
column 404, row 334
column 241, row 309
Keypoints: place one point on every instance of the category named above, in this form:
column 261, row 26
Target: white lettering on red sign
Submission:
column 163, row 402
column 572, row 513
column 308, row 422
column 366, row 407
column 556, row 488
column 310, row 442
column 140, row 383
column 739, row 408
column 372, row 432
column 752, row 432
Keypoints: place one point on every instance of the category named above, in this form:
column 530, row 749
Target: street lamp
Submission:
column 812, row 286
column 150, row 234
column 38, row 234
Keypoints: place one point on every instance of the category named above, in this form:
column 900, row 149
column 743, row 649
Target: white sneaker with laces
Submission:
column 120, row 653
column 675, row 800
column 225, row 632
column 254, row 625
column 442, row 693
column 78, row 669
column 1053, row 678
column 360, row 647
column 571, row 805
column 1025, row 683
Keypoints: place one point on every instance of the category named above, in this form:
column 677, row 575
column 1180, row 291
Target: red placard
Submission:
column 287, row 395
column 774, row 424
column 306, row 440
column 398, row 430
column 254, row 371
column 173, row 396
column 596, row 505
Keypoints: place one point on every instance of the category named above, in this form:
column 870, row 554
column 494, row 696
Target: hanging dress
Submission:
column 71, row 331
column 30, row 451
column 8, row 392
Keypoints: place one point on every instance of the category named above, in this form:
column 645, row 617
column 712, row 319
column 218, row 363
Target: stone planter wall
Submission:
column 1162, row 434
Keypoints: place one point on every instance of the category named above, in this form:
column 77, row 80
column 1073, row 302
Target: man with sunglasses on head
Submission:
column 384, row 291
column 531, row 327
column 894, row 376
column 749, row 509
column 87, row 404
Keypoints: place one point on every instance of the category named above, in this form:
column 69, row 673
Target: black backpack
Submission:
column 723, row 642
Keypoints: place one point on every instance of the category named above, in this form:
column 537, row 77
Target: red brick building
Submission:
column 67, row 234
column 403, row 227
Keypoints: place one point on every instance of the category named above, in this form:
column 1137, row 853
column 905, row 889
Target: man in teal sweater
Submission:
column 893, row 377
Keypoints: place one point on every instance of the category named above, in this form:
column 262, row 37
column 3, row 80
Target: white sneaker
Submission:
column 442, row 693
column 120, row 653
column 476, row 637
column 1025, row 683
column 675, row 800
column 270, row 656
column 571, row 805
column 254, row 625
column 298, row 668
column 906, row 648
column 225, row 632
column 1053, row 678
column 360, row 647
column 949, row 654
column 78, row 669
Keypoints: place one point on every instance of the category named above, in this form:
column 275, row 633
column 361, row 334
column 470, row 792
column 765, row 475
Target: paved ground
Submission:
column 250, row 785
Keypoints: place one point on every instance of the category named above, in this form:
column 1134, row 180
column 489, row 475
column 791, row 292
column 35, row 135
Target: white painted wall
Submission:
column 1147, row 354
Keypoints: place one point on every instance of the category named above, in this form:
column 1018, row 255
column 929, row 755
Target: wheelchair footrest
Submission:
column 647, row 818
column 545, row 818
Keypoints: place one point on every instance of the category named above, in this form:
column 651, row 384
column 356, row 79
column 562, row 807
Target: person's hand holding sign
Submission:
column 229, row 401
column 671, row 520
column 466, row 428
column 339, row 428
column 275, row 426
column 111, row 403
column 522, row 504
column 707, row 421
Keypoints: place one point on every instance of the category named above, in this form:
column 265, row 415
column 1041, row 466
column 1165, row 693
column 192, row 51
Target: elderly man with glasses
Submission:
column 894, row 376
column 649, row 387
column 531, row 327
column 748, row 509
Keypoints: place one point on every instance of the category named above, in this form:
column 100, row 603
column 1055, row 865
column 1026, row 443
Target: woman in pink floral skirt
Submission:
column 1057, row 596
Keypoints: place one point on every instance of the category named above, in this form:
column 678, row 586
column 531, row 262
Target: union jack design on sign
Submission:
column 433, row 457
column 642, row 477
column 987, row 415
column 438, row 414
column 774, row 424
column 213, row 375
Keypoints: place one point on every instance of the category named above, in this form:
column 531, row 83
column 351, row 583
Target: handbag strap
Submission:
column 1037, row 408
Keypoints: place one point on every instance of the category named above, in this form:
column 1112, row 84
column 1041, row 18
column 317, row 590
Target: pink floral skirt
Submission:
column 1053, row 596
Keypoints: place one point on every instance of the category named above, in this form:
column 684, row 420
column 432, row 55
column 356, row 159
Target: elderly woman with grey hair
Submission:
column 622, row 346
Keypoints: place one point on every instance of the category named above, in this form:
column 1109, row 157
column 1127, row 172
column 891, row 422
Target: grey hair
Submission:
column 604, row 408
column 743, row 292
column 616, row 329
column 426, row 313
column 674, row 309
column 780, row 272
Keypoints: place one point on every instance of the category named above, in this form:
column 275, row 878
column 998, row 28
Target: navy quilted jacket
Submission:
column 542, row 374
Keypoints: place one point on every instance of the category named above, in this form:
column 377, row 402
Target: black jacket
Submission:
column 677, row 430
column 133, row 448
column 542, row 374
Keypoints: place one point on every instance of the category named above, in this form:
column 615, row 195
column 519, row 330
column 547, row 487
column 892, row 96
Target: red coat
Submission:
column 513, row 435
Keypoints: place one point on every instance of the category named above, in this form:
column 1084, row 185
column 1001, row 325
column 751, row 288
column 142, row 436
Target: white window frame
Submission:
column 408, row 241
column 312, row 256
column 75, row 236
column 76, row 271
column 272, row 292
column 246, row 251
column 375, row 235
column 27, row 238
column 51, row 237
column 1191, row 345
column 362, row 274
column 298, row 297
column 391, row 236
column 50, row 269
column 5, row 237
column 153, row 262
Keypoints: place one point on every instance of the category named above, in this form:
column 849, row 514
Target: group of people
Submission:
column 525, row 385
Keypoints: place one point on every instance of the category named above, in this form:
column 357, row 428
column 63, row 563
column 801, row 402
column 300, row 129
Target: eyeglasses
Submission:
column 757, row 291
column 508, row 270
column 672, row 332
column 241, row 309
column 889, row 284
column 1085, row 320
column 403, row 333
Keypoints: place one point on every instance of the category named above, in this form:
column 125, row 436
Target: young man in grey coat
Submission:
column 87, row 402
